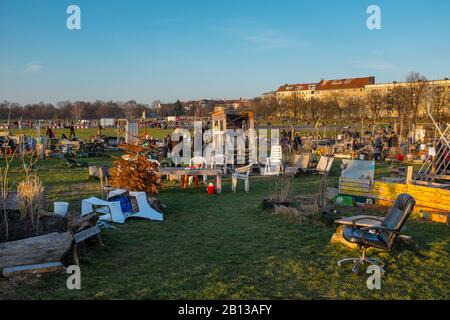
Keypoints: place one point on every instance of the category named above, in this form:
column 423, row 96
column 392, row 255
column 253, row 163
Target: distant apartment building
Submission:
column 386, row 88
column 305, row 91
column 440, row 87
column 340, row 89
column 359, row 88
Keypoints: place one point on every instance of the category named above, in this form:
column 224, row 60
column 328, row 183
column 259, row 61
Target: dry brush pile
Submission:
column 135, row 172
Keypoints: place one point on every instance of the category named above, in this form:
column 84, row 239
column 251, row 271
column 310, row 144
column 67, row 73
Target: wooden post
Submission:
column 409, row 175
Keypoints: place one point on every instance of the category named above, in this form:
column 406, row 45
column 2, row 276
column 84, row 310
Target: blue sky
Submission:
column 193, row 49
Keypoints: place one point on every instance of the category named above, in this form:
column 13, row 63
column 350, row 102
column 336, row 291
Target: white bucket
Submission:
column 61, row 208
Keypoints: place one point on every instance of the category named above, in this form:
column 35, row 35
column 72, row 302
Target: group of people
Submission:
column 49, row 133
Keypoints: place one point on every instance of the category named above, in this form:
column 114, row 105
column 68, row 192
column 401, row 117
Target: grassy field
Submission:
column 86, row 134
column 227, row 247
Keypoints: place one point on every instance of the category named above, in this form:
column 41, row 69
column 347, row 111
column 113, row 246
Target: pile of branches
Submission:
column 135, row 172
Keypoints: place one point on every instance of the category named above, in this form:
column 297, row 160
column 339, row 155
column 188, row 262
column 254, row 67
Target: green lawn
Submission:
column 227, row 247
column 86, row 134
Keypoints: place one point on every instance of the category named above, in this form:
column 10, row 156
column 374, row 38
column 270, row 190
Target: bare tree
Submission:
column 416, row 89
column 399, row 101
column 439, row 102
column 375, row 103
column 77, row 110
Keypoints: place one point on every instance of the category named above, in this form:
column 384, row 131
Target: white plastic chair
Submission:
column 241, row 174
column 220, row 161
column 199, row 162
column 274, row 162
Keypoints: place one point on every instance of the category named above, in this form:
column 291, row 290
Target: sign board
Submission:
column 358, row 169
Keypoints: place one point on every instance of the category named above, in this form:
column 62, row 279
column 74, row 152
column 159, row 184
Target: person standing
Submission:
column 72, row 131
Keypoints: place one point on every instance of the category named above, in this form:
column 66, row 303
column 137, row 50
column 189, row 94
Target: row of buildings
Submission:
column 348, row 88
column 356, row 88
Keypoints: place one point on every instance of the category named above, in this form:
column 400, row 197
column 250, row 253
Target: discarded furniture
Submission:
column 220, row 161
column 195, row 163
column 274, row 162
column 112, row 210
column 382, row 236
column 199, row 172
column 301, row 162
column 323, row 167
column 241, row 174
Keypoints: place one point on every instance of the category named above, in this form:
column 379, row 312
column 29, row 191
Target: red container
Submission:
column 211, row 189
column 400, row 157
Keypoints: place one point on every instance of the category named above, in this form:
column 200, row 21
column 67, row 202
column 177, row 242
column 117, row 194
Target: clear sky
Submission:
column 193, row 49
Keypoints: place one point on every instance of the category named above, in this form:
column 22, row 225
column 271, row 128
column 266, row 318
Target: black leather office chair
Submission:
column 382, row 236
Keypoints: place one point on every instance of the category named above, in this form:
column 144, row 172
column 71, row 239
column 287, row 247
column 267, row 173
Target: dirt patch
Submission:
column 22, row 229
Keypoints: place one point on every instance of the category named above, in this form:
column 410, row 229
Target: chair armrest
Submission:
column 377, row 228
column 365, row 218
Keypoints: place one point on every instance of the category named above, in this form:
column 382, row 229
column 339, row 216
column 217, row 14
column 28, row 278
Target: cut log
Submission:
column 33, row 269
column 77, row 223
column 36, row 250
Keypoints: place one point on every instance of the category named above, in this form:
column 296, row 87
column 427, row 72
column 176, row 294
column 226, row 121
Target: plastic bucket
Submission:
column 211, row 189
column 61, row 208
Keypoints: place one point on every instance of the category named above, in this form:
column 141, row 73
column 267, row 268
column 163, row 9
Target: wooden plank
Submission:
column 33, row 269
column 191, row 172
column 435, row 176
column 85, row 234
column 409, row 174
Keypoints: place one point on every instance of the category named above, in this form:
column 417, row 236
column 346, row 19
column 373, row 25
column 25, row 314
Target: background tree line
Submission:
column 78, row 110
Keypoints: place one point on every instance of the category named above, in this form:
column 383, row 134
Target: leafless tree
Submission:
column 439, row 100
column 399, row 99
column 415, row 95
column 376, row 104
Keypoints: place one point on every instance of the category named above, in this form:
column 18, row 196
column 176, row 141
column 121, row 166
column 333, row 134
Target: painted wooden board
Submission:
column 33, row 269
column 85, row 234
column 425, row 196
